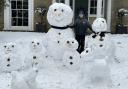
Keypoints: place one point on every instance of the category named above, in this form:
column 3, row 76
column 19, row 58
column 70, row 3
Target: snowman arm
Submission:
column 90, row 27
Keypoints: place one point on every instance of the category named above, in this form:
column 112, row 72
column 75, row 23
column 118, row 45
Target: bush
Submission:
column 2, row 4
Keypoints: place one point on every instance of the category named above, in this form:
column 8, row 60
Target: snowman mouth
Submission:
column 9, row 50
column 59, row 19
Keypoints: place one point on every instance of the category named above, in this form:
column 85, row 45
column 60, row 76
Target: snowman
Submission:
column 10, row 58
column 71, row 58
column 59, row 17
column 98, row 54
column 37, row 55
column 100, row 42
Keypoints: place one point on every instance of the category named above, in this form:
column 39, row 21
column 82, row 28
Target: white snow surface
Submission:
column 61, row 77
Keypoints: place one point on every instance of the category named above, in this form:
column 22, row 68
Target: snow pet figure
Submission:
column 96, row 73
column 36, row 58
column 10, row 58
column 71, row 58
column 21, row 81
column 59, row 17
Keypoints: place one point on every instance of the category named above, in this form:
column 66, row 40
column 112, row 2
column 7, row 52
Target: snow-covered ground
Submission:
column 61, row 78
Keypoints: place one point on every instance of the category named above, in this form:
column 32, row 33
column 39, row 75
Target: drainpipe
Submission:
column 99, row 8
column 109, row 7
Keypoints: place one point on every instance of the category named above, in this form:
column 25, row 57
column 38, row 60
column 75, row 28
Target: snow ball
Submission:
column 59, row 15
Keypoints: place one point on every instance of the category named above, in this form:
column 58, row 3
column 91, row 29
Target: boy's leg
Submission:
column 78, row 38
column 82, row 42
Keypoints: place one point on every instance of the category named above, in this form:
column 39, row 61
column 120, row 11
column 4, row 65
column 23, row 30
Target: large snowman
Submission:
column 59, row 17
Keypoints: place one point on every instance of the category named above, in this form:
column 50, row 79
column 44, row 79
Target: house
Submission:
column 20, row 14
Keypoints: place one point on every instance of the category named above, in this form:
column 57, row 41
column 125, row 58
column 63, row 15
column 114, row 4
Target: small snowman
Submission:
column 10, row 58
column 37, row 55
column 59, row 17
column 71, row 58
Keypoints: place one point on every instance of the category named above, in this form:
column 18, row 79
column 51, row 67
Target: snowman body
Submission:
column 37, row 55
column 55, row 42
column 71, row 58
column 59, row 17
column 10, row 59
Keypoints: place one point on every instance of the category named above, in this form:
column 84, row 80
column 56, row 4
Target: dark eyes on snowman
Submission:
column 34, row 57
column 5, row 46
column 68, row 42
column 86, row 51
column 72, row 42
column 103, row 21
column 13, row 46
column 32, row 42
column 62, row 10
column 55, row 9
column 38, row 43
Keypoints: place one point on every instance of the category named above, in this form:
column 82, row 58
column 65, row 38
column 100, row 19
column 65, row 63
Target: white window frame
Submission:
column 7, row 18
column 94, row 15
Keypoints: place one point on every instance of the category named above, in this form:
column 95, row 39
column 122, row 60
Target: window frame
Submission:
column 8, row 17
column 89, row 9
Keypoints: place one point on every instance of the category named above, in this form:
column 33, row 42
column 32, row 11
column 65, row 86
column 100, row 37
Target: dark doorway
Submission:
column 81, row 4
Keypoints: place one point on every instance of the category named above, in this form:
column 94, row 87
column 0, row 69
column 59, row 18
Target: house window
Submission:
column 19, row 15
column 19, row 12
column 93, row 7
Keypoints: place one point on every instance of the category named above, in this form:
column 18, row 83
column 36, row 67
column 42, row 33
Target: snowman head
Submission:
column 71, row 43
column 99, row 25
column 9, row 48
column 36, row 44
column 59, row 15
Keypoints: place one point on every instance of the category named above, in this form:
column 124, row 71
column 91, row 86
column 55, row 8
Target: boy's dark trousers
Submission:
column 81, row 42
